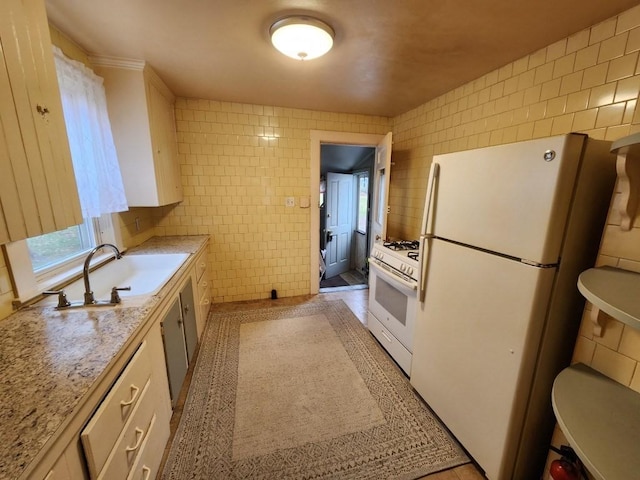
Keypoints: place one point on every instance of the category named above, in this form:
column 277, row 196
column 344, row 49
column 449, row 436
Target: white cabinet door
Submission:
column 164, row 142
column 38, row 192
column 144, row 132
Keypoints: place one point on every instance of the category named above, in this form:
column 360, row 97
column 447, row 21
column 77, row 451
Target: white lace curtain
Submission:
column 95, row 162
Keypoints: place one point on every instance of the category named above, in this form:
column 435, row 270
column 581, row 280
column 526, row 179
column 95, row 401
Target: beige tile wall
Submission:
column 134, row 233
column 588, row 82
column 239, row 162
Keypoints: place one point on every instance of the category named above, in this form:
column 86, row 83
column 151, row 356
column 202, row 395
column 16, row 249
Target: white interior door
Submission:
column 379, row 205
column 339, row 224
column 475, row 345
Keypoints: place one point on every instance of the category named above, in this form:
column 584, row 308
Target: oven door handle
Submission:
column 401, row 281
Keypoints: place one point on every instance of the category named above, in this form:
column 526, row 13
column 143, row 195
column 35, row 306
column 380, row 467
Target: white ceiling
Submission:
column 389, row 55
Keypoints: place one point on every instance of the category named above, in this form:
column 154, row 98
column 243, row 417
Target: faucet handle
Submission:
column 115, row 298
column 62, row 297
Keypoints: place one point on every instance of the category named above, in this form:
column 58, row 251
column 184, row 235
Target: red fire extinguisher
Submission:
column 567, row 467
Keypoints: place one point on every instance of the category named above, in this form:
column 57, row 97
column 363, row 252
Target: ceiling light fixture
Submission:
column 302, row 38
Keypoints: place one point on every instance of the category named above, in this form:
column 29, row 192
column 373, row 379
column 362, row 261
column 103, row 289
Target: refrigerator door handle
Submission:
column 426, row 227
column 424, row 252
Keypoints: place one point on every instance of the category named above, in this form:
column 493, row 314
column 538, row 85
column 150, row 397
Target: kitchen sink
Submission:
column 145, row 274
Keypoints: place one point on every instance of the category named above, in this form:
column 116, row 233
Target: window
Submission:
column 381, row 196
column 52, row 249
column 363, row 201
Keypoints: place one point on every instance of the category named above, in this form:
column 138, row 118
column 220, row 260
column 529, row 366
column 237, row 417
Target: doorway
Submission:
column 345, row 196
column 382, row 147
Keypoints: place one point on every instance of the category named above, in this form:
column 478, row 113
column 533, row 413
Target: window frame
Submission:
column 63, row 265
column 358, row 176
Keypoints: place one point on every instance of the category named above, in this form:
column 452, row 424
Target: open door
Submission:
column 379, row 205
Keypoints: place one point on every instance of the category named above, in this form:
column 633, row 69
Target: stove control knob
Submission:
column 410, row 271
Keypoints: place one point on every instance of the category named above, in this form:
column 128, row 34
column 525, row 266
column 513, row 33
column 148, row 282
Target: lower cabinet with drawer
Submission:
column 132, row 416
column 121, row 430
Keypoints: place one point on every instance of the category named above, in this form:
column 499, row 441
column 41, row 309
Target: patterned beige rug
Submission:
column 299, row 393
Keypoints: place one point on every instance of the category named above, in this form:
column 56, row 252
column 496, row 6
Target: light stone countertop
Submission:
column 49, row 360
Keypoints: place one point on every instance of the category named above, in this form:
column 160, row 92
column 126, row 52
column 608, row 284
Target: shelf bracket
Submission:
column 598, row 317
column 627, row 150
column 629, row 181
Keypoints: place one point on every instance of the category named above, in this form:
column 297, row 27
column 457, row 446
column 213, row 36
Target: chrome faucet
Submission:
column 88, row 294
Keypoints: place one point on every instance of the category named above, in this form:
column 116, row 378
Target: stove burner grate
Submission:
column 413, row 255
column 402, row 245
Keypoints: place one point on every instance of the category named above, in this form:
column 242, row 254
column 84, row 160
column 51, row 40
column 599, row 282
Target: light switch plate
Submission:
column 290, row 202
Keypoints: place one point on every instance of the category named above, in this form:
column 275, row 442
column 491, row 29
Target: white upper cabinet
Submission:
column 38, row 191
column 144, row 131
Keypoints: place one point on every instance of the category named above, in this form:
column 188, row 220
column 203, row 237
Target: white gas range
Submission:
column 393, row 297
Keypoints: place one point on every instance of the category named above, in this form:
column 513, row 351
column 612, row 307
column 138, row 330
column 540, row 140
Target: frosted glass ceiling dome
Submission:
column 302, row 38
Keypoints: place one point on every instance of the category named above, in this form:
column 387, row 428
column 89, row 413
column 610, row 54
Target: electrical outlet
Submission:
column 290, row 202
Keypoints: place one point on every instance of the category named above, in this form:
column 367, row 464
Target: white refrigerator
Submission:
column 507, row 230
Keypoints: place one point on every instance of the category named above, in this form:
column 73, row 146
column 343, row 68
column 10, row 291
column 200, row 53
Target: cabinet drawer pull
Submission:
column 140, row 437
column 134, row 395
column 146, row 473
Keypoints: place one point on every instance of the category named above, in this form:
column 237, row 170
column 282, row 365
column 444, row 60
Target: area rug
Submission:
column 302, row 392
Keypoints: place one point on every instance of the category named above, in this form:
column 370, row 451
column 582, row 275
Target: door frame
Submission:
column 317, row 138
